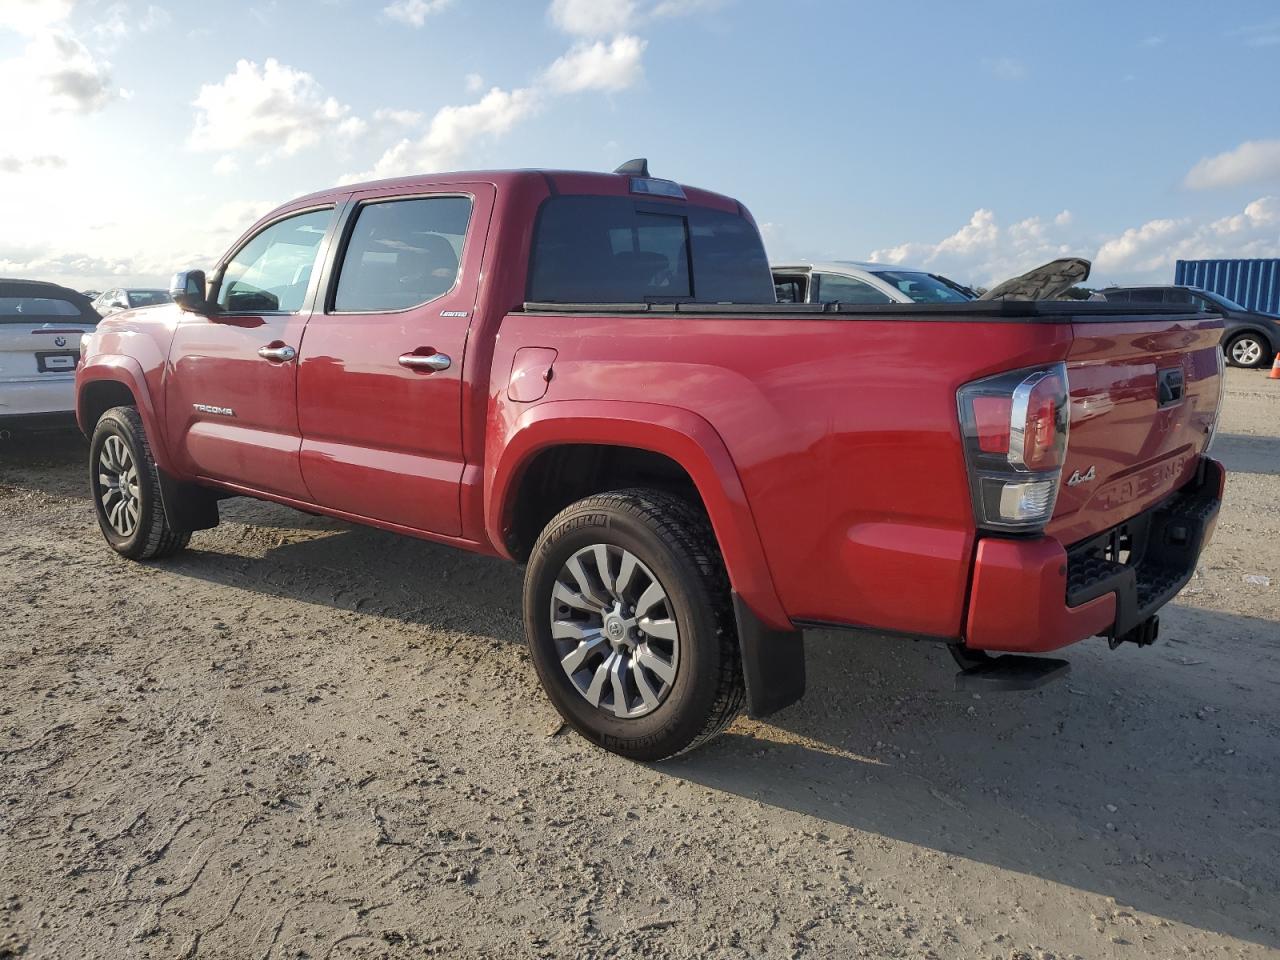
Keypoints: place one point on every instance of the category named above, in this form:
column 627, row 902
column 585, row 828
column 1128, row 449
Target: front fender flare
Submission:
column 127, row 372
column 187, row 506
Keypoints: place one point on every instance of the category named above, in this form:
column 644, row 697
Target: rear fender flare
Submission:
column 679, row 434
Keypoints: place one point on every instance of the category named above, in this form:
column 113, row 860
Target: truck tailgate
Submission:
column 1144, row 396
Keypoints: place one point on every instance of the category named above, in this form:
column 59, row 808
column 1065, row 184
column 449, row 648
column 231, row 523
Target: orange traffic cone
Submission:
column 1275, row 369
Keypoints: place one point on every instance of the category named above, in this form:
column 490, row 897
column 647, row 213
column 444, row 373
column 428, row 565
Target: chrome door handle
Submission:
column 417, row 361
column 277, row 354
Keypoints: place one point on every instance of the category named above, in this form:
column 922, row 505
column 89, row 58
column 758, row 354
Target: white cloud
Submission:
column 54, row 73
column 32, row 16
column 226, row 165
column 1154, row 40
column 684, row 8
column 45, row 161
column 119, row 21
column 237, row 216
column 474, row 82
column 1006, row 68
column 1254, row 161
column 1258, row 34
column 452, row 131
column 398, row 118
column 984, row 253
column 1141, row 248
column 597, row 66
column 1149, row 251
column 272, row 110
column 414, row 12
column 592, row 18
column 599, row 18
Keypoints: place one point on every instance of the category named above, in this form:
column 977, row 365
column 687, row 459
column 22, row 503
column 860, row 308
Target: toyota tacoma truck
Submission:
column 588, row 373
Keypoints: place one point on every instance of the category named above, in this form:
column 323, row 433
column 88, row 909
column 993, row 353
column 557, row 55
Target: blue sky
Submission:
column 974, row 138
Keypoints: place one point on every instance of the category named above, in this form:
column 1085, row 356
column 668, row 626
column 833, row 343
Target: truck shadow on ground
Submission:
column 1145, row 776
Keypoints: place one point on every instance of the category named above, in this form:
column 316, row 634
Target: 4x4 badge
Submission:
column 1078, row 478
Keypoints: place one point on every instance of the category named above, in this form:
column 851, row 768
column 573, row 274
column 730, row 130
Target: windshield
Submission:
column 923, row 287
column 148, row 298
column 1223, row 302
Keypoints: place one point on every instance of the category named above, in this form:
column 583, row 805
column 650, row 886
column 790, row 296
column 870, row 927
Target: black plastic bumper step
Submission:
column 1008, row 672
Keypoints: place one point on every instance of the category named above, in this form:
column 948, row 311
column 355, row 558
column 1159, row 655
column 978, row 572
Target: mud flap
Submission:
column 187, row 506
column 772, row 663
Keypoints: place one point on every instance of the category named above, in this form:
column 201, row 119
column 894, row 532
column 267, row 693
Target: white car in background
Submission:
column 859, row 282
column 854, row 281
column 128, row 298
column 40, row 329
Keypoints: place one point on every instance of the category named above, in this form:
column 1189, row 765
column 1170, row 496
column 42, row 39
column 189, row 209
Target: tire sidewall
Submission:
column 114, row 424
column 682, row 715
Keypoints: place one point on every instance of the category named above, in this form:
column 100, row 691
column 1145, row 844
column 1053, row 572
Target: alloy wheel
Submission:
column 614, row 630
column 1246, row 351
column 118, row 488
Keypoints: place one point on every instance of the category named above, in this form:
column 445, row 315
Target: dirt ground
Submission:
column 307, row 739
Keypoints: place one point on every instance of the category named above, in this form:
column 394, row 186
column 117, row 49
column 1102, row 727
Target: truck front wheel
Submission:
column 630, row 623
column 126, row 489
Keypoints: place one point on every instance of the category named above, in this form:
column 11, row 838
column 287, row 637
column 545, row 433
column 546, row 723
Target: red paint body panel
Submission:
column 1018, row 601
column 826, row 448
column 379, row 439
column 1141, row 453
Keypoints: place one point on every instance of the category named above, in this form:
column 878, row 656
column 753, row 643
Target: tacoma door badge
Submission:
column 1078, row 478
column 217, row 411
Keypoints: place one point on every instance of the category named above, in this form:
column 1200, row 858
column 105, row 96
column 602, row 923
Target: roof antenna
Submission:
column 638, row 167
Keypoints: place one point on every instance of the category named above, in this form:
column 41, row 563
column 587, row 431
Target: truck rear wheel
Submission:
column 126, row 489
column 630, row 623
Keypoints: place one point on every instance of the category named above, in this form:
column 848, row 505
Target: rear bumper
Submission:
column 26, row 398
column 1032, row 596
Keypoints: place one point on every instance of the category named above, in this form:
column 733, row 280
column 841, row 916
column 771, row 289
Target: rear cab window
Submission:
column 604, row 249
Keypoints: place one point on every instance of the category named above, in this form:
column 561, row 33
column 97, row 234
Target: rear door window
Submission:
column 402, row 253
column 598, row 249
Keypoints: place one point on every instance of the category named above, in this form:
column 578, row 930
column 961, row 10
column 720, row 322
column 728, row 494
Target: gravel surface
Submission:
column 307, row 739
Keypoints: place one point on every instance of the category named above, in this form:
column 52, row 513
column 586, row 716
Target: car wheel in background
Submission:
column 1248, row 350
column 126, row 489
column 630, row 623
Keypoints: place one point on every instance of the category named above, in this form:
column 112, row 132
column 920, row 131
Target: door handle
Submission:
column 427, row 362
column 281, row 354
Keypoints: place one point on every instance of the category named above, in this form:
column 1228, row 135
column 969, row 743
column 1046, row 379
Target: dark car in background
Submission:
column 1249, row 339
column 128, row 298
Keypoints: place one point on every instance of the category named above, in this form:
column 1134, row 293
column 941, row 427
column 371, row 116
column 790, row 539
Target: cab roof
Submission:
column 555, row 181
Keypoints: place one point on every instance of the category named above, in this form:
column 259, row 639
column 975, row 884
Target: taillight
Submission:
column 1220, row 359
column 1015, row 441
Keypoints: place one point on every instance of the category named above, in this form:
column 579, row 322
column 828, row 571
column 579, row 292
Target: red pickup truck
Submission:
column 588, row 373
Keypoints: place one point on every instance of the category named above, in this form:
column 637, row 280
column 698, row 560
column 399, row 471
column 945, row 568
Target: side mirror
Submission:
column 187, row 289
